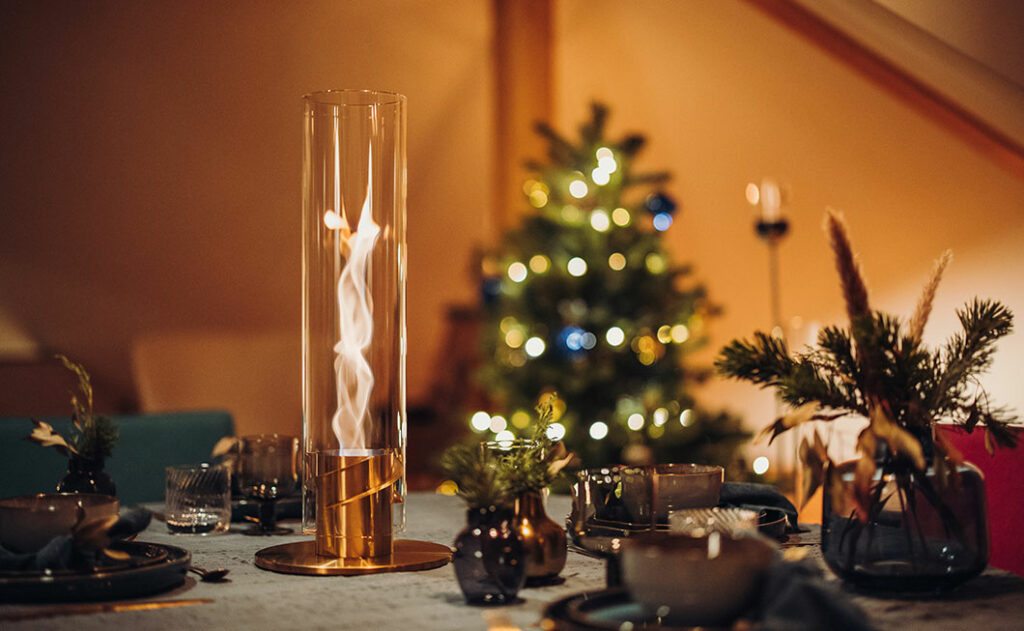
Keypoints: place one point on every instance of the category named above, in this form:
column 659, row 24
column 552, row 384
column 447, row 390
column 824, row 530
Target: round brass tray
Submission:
column 301, row 558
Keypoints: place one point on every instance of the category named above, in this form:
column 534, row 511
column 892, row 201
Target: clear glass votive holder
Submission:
column 198, row 499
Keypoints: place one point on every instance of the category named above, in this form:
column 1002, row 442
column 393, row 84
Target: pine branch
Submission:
column 765, row 361
column 969, row 353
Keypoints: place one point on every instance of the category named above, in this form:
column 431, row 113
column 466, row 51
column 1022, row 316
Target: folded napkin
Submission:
column 756, row 497
column 796, row 597
column 73, row 551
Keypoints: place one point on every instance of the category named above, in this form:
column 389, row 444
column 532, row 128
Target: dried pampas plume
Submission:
column 854, row 291
column 924, row 303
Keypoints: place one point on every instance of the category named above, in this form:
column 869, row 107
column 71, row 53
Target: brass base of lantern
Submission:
column 301, row 558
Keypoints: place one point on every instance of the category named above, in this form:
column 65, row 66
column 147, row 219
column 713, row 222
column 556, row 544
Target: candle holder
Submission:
column 354, row 340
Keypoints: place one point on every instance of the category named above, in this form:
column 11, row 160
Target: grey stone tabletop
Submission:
column 430, row 599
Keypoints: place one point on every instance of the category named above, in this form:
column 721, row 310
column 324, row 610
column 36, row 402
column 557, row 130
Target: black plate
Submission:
column 156, row 568
column 604, row 610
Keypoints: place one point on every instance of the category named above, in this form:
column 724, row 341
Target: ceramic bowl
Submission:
column 695, row 581
column 29, row 522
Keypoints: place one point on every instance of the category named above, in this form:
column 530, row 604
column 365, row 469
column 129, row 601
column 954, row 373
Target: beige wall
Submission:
column 727, row 96
column 151, row 163
column 151, row 151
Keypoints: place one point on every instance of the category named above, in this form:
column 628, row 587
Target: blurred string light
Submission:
column 514, row 338
column 535, row 347
column 588, row 340
column 576, row 266
column 578, row 189
column 505, row 437
column 571, row 214
column 520, row 419
column 539, row 264
column 555, row 431
column 599, row 220
column 761, row 465
column 662, row 222
column 517, row 272
column 655, row 263
column 660, row 416
column 615, row 336
column 635, row 422
column 480, row 421
column 620, row 217
column 536, row 192
column 617, row 261
column 600, row 176
column 498, row 424
column 680, row 333
column 598, row 430
column 665, row 334
column 686, row 418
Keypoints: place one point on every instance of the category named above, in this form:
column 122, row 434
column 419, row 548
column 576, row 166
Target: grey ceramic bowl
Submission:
column 695, row 581
column 29, row 522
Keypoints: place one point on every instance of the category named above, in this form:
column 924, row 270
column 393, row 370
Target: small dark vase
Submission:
column 86, row 475
column 488, row 559
column 544, row 541
column 923, row 536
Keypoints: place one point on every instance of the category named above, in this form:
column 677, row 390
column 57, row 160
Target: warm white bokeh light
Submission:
column 598, row 430
column 576, row 266
column 517, row 272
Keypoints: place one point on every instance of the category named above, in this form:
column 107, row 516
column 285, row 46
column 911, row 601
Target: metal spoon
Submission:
column 209, row 576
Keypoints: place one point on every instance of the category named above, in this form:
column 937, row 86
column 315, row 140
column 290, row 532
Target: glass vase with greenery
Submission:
column 88, row 445
column 907, row 513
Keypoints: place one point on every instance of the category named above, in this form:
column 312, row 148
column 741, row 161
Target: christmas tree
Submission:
column 583, row 299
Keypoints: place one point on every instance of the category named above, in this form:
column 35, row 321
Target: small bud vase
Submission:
column 488, row 559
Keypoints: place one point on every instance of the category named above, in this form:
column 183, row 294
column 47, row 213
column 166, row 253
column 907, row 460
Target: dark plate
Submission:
column 604, row 610
column 158, row 568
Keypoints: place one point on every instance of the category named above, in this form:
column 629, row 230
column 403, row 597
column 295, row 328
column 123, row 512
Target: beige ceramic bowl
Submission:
column 695, row 581
column 29, row 522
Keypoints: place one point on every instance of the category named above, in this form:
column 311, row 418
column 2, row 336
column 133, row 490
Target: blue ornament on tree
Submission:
column 659, row 203
column 490, row 287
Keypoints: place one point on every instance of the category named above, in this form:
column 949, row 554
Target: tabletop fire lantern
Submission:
column 354, row 341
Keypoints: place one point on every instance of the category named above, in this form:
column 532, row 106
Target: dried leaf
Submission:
column 224, row 446
column 814, row 457
column 899, row 440
column 559, row 458
column 864, row 471
column 93, row 534
column 117, row 554
column 43, row 434
column 804, row 413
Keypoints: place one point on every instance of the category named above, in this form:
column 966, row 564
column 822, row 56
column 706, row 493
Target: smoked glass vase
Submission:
column 922, row 535
column 489, row 557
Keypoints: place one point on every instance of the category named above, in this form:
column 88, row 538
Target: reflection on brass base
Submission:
column 301, row 558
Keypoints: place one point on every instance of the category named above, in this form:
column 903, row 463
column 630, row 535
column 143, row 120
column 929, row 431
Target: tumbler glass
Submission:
column 198, row 499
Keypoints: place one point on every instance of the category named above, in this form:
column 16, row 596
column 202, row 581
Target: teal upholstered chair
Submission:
column 148, row 443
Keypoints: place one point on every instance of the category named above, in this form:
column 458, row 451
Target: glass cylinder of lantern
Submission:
column 353, row 321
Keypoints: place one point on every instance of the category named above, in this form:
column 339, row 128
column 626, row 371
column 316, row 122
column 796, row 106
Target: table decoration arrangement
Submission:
column 908, row 514
column 489, row 557
column 531, row 466
column 90, row 443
